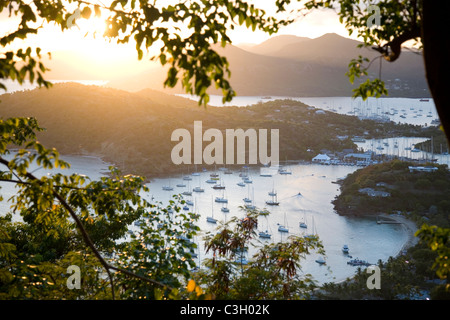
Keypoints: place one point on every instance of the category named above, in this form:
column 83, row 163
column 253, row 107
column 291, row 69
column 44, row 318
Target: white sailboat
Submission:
column 265, row 234
column 282, row 170
column 250, row 201
column 219, row 186
column 211, row 218
column 167, row 188
column 273, row 193
column 225, row 208
column 302, row 223
column 247, row 199
column 222, row 199
column 283, row 228
column 273, row 201
column 248, row 180
column 313, row 233
column 321, row 260
column 188, row 192
column 345, row 249
column 199, row 188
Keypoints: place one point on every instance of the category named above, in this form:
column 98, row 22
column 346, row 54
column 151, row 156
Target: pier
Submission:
column 386, row 220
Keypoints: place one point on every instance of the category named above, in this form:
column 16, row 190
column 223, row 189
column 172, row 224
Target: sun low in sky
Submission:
column 83, row 43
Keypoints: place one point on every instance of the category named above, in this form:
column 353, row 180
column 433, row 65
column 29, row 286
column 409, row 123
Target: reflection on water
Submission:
column 306, row 193
column 402, row 110
column 402, row 147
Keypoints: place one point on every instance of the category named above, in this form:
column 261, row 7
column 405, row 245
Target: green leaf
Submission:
column 86, row 12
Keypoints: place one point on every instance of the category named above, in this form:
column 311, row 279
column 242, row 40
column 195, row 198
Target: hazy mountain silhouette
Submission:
column 133, row 130
column 273, row 45
column 281, row 66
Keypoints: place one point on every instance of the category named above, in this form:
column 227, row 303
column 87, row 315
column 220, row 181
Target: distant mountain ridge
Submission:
column 284, row 65
column 134, row 130
column 272, row 45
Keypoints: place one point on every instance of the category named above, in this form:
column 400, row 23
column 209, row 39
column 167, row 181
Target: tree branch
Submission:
column 391, row 51
column 85, row 235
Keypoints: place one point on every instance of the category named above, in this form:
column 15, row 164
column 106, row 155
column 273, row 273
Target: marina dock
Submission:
column 386, row 220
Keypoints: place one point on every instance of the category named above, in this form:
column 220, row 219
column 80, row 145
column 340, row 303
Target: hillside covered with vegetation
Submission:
column 133, row 130
column 422, row 195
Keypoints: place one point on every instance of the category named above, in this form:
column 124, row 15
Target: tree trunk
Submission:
column 436, row 53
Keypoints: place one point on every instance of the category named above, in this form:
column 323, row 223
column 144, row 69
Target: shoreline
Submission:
column 409, row 227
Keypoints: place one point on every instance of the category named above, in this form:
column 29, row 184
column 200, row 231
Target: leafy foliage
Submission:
column 410, row 192
column 398, row 22
column 187, row 31
column 420, row 195
column 69, row 219
column 273, row 271
column 437, row 238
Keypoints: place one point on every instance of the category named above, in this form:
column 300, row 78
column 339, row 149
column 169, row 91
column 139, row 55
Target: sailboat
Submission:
column 321, row 260
column 214, row 175
column 247, row 199
column 219, row 186
column 313, row 233
column 221, row 199
column 249, row 202
column 283, row 228
column 247, row 180
column 195, row 173
column 167, row 188
column 211, row 219
column 303, row 224
column 282, row 170
column 265, row 234
column 188, row 192
column 345, row 249
column 225, row 209
column 273, row 201
column 199, row 188
column 273, row 193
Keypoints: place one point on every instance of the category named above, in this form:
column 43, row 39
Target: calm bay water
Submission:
column 401, row 110
column 305, row 194
column 366, row 239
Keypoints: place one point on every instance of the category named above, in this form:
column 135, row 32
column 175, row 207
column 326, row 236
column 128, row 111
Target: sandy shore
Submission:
column 410, row 228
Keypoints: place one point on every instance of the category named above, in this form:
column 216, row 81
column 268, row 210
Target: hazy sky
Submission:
column 99, row 51
column 312, row 25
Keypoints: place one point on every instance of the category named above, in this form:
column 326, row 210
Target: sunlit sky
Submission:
column 101, row 52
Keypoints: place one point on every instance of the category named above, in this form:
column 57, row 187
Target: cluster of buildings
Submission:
column 346, row 157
